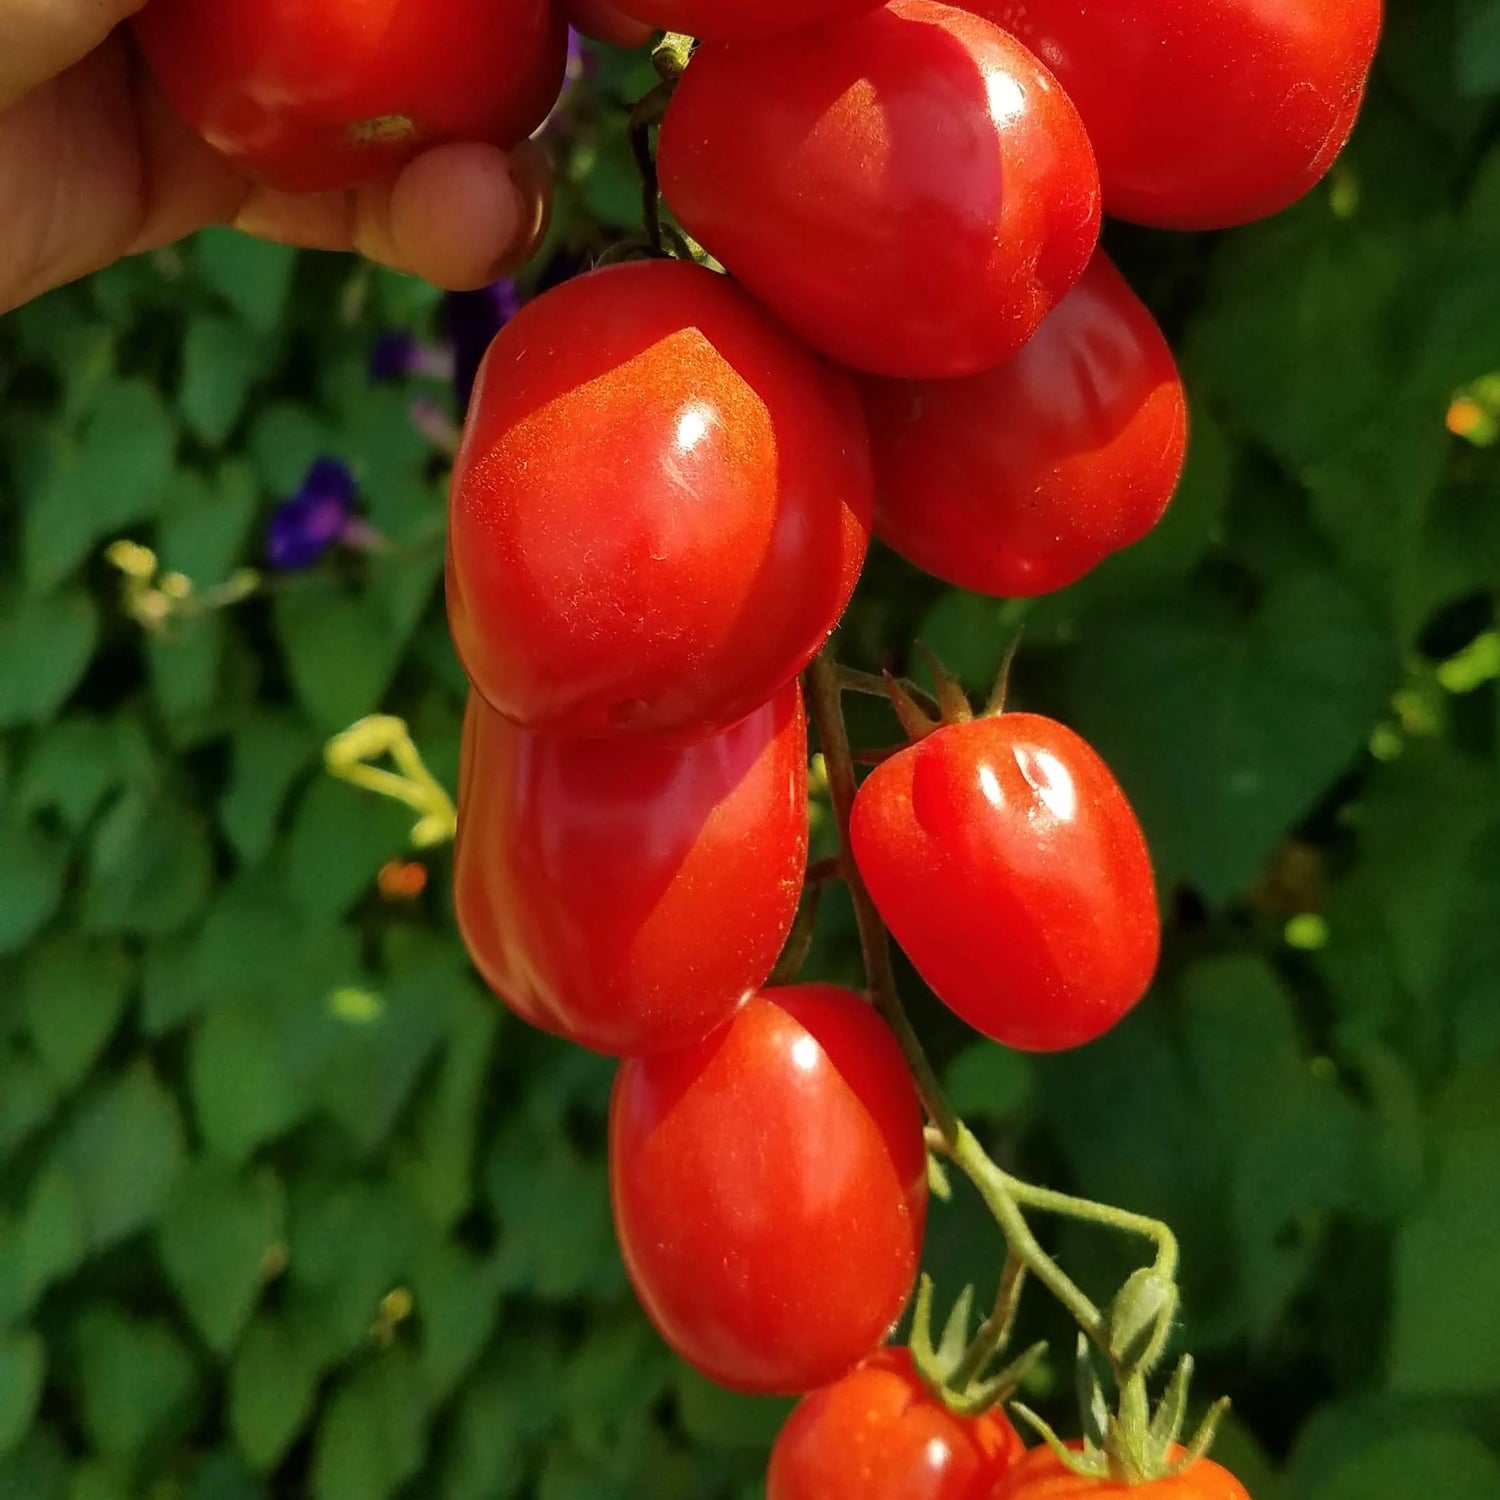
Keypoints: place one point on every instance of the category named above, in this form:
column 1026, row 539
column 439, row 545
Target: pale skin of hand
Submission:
column 95, row 165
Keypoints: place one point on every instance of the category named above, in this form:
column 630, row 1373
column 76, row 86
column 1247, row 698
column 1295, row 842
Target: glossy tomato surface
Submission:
column 312, row 95
column 770, row 1189
column 1205, row 113
column 1006, row 861
column 660, row 508
column 1042, row 1476
column 877, row 1435
column 630, row 896
column 717, row 20
column 1019, row 480
column 909, row 189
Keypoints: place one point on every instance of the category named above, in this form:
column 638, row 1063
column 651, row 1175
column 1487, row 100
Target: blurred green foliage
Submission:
column 288, row 1207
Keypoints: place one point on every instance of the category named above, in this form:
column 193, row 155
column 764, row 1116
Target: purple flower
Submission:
column 303, row 528
column 398, row 353
column 474, row 318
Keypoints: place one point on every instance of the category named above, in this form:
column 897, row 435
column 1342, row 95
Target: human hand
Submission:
column 95, row 165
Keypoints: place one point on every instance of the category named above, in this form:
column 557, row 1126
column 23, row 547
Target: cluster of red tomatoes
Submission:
column 668, row 482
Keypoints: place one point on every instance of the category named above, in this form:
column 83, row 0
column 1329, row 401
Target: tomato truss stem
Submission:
column 1007, row 1197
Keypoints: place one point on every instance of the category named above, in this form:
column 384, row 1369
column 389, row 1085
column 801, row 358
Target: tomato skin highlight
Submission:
column 660, row 509
column 316, row 95
column 1009, row 866
column 770, row 1190
column 1041, row 1475
column 1021, row 479
column 722, row 20
column 1205, row 113
column 629, row 897
column 877, row 1435
column 908, row 190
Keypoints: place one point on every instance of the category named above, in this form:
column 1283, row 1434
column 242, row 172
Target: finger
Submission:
column 600, row 19
column 45, row 37
column 461, row 216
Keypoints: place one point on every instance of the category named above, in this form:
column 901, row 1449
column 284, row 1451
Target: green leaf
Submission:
column 457, row 1299
column 37, row 1470
column 552, row 1206
column 219, row 364
column 113, row 476
column 205, row 522
column 224, row 1477
column 73, row 995
column 349, row 1245
column 725, row 1419
column 124, row 1150
column 31, row 880
column 1477, row 55
column 150, row 867
column 372, row 1437
column 991, row 1082
column 49, row 1242
column 46, row 645
column 270, row 752
column 284, row 442
column 214, row 1239
column 185, row 664
column 252, row 276
column 1431, row 1461
column 340, row 654
column 339, row 839
column 23, row 1369
column 72, row 767
column 138, row 1381
column 243, row 1092
column 27, row 1097
column 1226, row 731
column 1445, row 1334
column 273, row 1384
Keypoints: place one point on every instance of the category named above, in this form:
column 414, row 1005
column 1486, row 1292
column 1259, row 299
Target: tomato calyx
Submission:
column 1131, row 1444
column 953, row 1371
column 921, row 714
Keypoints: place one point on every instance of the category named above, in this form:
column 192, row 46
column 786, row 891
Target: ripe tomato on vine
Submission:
column 629, row 896
column 739, row 1168
column 1008, row 864
column 1204, row 116
column 313, row 97
column 878, row 1434
column 1042, row 1475
column 660, row 509
column 1019, row 480
column 908, row 190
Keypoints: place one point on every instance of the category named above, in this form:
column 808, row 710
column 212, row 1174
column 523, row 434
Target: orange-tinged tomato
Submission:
column 1041, row 1475
column 877, row 1435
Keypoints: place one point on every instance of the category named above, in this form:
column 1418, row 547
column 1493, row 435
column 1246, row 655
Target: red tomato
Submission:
column 1007, row 863
column 1042, row 1476
column 770, row 1189
column 311, row 97
column 878, row 1435
column 1204, row 113
column 1020, row 480
column 909, row 190
column 723, row 19
column 660, row 509
column 630, row 896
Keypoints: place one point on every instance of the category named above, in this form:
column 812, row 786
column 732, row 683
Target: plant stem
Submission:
column 824, row 695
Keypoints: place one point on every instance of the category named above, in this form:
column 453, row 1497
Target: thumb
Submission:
column 45, row 37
